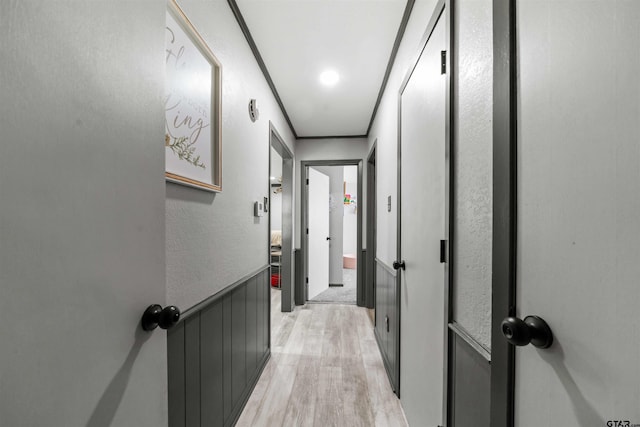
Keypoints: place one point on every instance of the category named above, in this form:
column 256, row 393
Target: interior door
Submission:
column 578, row 211
column 318, row 224
column 82, row 198
column 422, row 226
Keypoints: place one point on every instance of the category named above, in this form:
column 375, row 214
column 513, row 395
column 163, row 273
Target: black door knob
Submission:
column 155, row 316
column 398, row 265
column 532, row 330
column 328, row 238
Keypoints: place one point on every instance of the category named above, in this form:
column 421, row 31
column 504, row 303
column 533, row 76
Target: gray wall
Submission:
column 213, row 240
column 470, row 389
column 336, row 176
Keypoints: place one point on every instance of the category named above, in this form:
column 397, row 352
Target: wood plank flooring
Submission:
column 325, row 370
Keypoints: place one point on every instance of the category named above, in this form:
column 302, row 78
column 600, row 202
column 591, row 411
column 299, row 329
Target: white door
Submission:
column 422, row 223
column 578, row 250
column 318, row 211
column 82, row 197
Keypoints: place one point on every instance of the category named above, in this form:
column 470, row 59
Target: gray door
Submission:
column 422, row 227
column 81, row 215
column 578, row 212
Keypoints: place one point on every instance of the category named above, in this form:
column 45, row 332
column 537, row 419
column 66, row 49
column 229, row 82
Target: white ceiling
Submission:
column 298, row 39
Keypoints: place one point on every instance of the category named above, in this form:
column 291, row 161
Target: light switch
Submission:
column 258, row 209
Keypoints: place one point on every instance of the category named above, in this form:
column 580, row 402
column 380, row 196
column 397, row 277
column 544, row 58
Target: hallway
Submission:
column 345, row 294
column 325, row 370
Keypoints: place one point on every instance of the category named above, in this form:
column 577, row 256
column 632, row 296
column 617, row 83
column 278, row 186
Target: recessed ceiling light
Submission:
column 329, row 77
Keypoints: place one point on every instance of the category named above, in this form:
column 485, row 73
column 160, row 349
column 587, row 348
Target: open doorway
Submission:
column 275, row 219
column 280, row 219
column 370, row 252
column 332, row 232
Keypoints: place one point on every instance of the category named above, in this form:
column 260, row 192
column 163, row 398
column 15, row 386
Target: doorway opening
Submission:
column 280, row 219
column 370, row 252
column 332, row 230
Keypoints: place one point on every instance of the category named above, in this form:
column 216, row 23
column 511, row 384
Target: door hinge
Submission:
column 443, row 251
column 307, row 181
column 307, row 231
column 443, row 64
column 306, row 280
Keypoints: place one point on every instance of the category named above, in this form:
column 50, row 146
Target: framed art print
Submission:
column 193, row 134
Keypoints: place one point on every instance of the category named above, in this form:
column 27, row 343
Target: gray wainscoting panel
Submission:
column 366, row 278
column 369, row 277
column 238, row 342
column 175, row 359
column 300, row 278
column 227, row 357
column 251, row 326
column 361, row 294
column 217, row 352
column 387, row 328
column 212, row 373
column 471, row 388
column 192, row 376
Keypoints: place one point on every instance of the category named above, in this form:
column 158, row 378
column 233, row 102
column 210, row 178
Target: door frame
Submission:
column 442, row 10
column 286, row 261
column 503, row 286
column 370, row 256
column 304, row 225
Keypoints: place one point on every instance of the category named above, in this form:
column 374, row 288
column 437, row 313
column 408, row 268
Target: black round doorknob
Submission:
column 532, row 329
column 328, row 238
column 397, row 265
column 155, row 316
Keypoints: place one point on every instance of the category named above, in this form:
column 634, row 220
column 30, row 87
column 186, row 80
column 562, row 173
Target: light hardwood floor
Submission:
column 325, row 370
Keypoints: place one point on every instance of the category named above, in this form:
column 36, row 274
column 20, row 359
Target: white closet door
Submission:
column 422, row 222
column 318, row 233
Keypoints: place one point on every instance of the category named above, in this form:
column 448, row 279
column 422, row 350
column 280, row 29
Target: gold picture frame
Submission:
column 193, row 106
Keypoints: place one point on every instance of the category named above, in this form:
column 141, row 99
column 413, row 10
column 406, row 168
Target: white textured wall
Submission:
column 214, row 239
column 276, row 210
column 276, row 198
column 325, row 149
column 472, row 153
column 350, row 221
column 385, row 130
column 350, row 174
